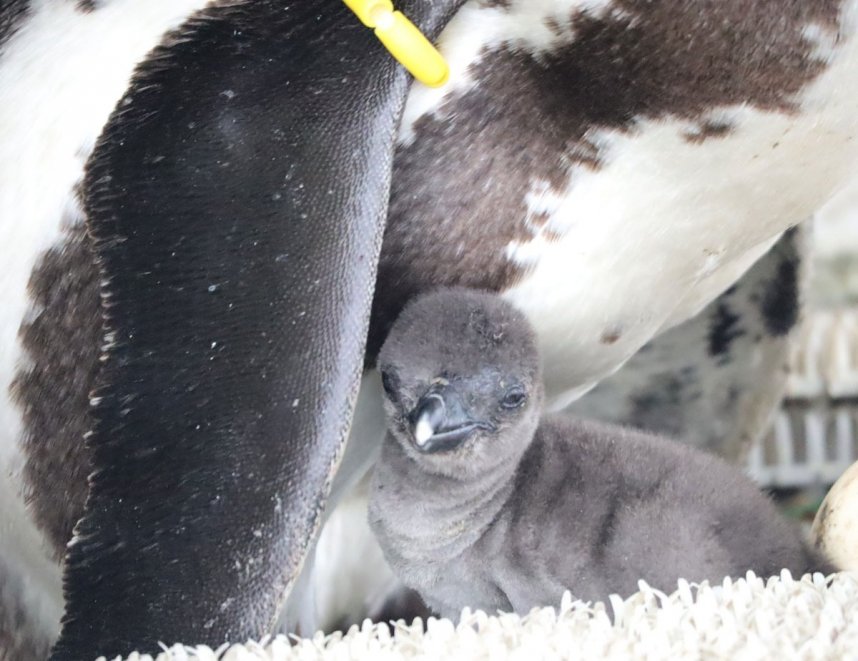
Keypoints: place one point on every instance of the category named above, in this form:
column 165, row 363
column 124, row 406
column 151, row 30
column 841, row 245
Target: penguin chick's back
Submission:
column 590, row 507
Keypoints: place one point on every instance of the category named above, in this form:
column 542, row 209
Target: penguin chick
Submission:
column 478, row 501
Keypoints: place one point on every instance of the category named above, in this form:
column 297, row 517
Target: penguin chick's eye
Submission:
column 390, row 383
column 514, row 398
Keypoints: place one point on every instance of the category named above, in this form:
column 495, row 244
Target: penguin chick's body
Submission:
column 478, row 501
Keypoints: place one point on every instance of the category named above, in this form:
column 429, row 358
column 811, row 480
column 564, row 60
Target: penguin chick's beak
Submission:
column 439, row 422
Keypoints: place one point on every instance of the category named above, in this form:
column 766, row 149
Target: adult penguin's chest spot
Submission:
column 571, row 150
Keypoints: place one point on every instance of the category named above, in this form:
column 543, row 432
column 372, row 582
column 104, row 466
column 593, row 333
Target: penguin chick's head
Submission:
column 462, row 381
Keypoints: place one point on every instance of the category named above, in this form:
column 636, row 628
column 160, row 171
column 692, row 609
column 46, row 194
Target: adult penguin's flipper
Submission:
column 237, row 200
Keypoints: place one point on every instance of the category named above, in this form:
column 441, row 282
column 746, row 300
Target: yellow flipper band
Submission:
column 404, row 41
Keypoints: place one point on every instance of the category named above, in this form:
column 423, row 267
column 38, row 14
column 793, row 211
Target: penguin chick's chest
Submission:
column 590, row 508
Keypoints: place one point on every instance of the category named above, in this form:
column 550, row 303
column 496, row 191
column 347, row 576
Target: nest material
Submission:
column 750, row 618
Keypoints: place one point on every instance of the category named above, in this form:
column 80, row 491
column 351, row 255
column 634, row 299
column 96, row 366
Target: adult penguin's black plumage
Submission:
column 234, row 268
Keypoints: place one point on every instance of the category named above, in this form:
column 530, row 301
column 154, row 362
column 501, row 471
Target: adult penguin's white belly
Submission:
column 609, row 190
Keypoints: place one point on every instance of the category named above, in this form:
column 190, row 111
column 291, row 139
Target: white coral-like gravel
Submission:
column 780, row 618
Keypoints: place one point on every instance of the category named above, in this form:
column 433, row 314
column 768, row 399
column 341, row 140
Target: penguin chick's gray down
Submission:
column 477, row 501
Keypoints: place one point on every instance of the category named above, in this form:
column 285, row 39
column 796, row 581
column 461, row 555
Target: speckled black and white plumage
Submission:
column 532, row 506
column 718, row 398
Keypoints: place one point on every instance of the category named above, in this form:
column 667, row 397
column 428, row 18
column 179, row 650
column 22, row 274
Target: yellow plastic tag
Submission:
column 404, row 41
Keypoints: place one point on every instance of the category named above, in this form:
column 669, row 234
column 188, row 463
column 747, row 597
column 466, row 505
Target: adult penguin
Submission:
column 229, row 166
